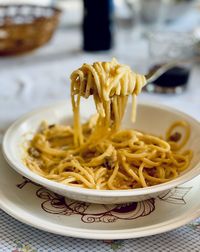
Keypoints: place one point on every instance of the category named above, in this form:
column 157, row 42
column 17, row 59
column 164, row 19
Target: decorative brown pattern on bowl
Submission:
column 53, row 203
column 26, row 27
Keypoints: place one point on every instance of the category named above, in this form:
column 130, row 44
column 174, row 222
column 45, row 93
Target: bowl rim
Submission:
column 23, row 170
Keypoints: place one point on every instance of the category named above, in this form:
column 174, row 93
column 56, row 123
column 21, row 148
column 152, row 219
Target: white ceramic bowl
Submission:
column 151, row 118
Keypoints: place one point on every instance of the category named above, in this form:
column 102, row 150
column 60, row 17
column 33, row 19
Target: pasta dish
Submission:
column 98, row 154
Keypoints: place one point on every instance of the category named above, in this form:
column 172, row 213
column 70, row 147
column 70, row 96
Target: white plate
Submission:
column 45, row 210
column 151, row 118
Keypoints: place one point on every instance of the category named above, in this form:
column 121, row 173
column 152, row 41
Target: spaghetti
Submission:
column 99, row 155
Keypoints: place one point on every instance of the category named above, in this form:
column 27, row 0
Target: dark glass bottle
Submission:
column 175, row 80
column 97, row 25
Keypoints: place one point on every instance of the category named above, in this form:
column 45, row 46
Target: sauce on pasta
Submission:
column 98, row 154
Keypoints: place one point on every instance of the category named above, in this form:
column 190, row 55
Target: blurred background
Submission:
column 42, row 41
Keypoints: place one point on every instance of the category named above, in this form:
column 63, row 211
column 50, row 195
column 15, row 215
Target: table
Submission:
column 42, row 77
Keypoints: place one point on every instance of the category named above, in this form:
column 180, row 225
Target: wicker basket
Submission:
column 26, row 27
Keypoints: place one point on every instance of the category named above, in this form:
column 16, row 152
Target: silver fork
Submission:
column 157, row 72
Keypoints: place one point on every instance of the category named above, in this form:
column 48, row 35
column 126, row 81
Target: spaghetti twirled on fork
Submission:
column 98, row 154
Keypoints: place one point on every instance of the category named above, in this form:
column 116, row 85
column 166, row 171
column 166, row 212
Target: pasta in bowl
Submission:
column 151, row 118
column 107, row 158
